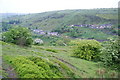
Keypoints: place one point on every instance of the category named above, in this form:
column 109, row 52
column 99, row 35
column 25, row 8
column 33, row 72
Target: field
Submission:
column 57, row 56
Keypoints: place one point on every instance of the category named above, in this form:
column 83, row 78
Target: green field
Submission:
column 57, row 56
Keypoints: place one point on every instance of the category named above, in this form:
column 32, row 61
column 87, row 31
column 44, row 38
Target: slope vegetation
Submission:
column 49, row 62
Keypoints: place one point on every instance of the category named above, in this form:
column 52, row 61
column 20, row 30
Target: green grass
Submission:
column 91, row 33
column 20, row 59
column 108, row 16
column 85, row 69
column 69, row 66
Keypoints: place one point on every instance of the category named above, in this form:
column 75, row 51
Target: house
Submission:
column 37, row 31
column 38, row 41
column 42, row 33
column 53, row 33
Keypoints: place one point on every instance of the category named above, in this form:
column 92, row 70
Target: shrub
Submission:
column 51, row 50
column 34, row 67
column 18, row 35
column 87, row 49
column 110, row 53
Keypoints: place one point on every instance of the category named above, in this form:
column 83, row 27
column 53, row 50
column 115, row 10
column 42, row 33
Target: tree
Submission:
column 18, row 35
column 110, row 53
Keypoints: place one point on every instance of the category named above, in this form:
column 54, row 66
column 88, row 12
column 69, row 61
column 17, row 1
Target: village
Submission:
column 95, row 26
column 41, row 32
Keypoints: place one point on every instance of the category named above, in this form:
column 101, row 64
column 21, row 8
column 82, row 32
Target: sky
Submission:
column 37, row 6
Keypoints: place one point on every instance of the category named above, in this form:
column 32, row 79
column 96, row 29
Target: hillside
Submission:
column 48, row 62
column 7, row 15
column 83, row 23
column 54, row 19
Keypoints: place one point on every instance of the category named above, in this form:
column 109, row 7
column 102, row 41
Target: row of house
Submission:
column 41, row 32
column 95, row 26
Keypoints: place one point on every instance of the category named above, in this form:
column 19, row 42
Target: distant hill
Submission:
column 6, row 15
column 54, row 19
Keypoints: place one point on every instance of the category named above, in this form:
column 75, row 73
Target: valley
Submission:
column 78, row 43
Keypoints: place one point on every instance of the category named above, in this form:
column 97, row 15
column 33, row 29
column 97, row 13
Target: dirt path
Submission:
column 65, row 62
column 9, row 70
column 71, row 66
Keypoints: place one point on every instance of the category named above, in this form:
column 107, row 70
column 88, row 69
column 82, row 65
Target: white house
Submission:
column 38, row 41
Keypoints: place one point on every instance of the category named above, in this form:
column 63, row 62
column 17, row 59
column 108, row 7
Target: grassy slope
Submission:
column 12, row 52
column 61, row 55
column 92, row 33
column 54, row 19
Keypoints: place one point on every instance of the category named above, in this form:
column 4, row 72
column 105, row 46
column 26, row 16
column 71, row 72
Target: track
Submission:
column 72, row 66
column 11, row 73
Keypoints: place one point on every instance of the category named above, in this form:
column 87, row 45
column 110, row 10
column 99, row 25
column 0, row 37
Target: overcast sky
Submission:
column 37, row 6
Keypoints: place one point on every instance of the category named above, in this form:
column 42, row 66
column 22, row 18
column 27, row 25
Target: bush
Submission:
column 18, row 35
column 87, row 49
column 34, row 67
column 51, row 50
column 110, row 53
